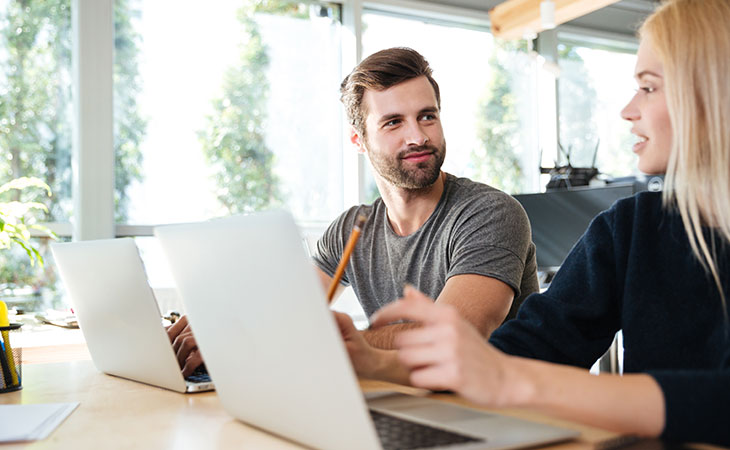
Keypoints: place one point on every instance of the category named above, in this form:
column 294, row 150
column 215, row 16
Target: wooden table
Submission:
column 117, row 413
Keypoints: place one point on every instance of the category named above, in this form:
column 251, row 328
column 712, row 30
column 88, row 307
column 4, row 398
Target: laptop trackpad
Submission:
column 427, row 409
column 497, row 429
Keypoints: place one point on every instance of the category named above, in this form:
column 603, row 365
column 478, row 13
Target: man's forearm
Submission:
column 383, row 337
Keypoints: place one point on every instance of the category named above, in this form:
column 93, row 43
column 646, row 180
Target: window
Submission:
column 35, row 98
column 231, row 107
column 485, row 95
column 594, row 85
column 35, row 134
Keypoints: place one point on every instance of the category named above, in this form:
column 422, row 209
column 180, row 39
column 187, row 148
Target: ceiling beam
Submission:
column 514, row 19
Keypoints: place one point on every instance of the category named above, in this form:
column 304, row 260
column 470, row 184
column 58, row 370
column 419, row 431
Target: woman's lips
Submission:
column 639, row 146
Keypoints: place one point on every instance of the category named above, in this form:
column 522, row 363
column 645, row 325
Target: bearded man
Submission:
column 461, row 242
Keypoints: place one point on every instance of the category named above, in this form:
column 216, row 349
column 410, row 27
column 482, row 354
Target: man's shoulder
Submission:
column 343, row 224
column 469, row 188
column 474, row 194
column 350, row 214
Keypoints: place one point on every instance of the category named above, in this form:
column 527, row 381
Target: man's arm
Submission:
column 483, row 301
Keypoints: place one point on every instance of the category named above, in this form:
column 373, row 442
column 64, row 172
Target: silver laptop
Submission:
column 273, row 348
column 118, row 314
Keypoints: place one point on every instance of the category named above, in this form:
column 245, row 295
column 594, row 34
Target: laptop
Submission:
column 118, row 314
column 272, row 346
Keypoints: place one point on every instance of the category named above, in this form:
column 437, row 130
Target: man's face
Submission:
column 404, row 139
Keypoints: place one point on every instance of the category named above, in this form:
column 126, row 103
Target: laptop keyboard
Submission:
column 399, row 434
column 200, row 375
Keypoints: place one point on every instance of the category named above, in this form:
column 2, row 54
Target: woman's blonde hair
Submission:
column 692, row 40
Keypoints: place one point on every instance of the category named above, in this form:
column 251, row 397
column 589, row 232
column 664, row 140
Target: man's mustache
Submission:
column 419, row 149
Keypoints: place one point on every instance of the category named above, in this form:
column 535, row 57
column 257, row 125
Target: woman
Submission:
column 656, row 266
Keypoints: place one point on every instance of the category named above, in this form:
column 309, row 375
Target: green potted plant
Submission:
column 17, row 219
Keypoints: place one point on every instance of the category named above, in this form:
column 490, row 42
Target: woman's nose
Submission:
column 631, row 110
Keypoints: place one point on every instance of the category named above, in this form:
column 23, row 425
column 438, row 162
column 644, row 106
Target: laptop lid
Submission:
column 269, row 340
column 262, row 323
column 117, row 311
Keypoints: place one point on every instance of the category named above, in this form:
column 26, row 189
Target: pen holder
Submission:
column 10, row 360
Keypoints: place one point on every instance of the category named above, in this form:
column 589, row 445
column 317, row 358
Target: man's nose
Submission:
column 415, row 135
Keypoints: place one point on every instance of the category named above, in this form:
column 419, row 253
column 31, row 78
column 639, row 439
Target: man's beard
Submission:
column 423, row 175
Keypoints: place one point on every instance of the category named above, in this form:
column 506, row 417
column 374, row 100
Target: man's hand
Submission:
column 184, row 345
column 368, row 361
column 364, row 357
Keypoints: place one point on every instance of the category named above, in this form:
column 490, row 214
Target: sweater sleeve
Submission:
column 697, row 405
column 576, row 319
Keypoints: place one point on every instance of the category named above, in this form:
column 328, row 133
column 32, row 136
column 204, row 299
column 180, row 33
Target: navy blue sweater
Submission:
column 633, row 270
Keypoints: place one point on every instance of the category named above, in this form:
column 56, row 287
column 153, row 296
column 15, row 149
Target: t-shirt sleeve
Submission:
column 575, row 320
column 331, row 245
column 492, row 238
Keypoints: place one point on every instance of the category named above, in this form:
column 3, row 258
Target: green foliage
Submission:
column 234, row 142
column 498, row 126
column 278, row 7
column 36, row 104
column 35, row 125
column 35, row 95
column 17, row 218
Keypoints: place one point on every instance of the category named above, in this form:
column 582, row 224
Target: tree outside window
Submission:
column 36, row 113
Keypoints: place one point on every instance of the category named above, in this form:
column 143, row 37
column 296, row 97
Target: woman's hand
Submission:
column 446, row 352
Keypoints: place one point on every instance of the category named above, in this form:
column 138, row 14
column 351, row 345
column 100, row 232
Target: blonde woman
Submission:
column 655, row 266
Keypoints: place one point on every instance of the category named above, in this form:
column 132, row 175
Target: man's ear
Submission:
column 357, row 140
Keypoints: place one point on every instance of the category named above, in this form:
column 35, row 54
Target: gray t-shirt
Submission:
column 475, row 229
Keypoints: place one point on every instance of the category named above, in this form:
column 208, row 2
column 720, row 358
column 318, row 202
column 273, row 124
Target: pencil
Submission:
column 359, row 222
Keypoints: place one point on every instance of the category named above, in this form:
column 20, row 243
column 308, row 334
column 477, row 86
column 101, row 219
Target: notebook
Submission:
column 32, row 422
column 118, row 314
column 272, row 346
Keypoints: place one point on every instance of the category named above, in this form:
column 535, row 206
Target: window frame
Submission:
column 93, row 174
column 592, row 39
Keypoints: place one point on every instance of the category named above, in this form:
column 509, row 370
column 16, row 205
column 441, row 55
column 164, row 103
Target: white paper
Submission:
column 32, row 422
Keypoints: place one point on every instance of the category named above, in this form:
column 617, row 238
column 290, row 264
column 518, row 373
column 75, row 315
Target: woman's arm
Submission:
column 448, row 353
column 632, row 404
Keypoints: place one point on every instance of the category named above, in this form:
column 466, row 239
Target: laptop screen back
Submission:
column 279, row 362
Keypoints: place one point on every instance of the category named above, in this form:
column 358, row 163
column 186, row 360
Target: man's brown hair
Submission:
column 378, row 72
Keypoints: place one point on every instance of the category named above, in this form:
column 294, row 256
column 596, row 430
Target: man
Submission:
column 461, row 242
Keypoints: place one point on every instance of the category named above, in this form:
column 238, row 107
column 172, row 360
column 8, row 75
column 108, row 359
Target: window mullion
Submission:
column 353, row 163
column 93, row 138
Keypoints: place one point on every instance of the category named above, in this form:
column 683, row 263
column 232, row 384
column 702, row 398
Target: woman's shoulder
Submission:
column 642, row 205
column 640, row 213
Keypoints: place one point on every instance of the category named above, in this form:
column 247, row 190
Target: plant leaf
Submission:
column 25, row 182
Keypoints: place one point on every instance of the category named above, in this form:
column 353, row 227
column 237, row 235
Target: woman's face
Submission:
column 648, row 113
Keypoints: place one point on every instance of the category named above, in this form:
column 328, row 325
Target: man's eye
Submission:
column 391, row 123
column 428, row 117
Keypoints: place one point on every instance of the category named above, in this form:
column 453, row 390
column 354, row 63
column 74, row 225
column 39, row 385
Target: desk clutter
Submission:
column 10, row 359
